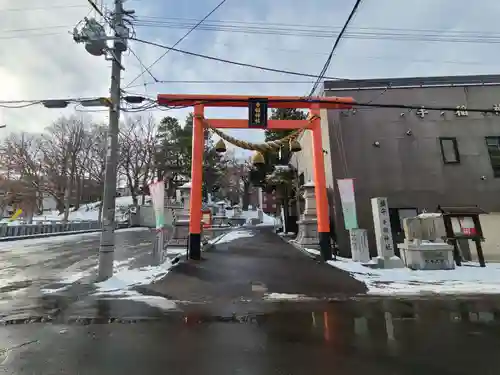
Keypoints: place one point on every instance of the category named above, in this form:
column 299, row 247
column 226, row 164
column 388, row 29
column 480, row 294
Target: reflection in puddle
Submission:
column 376, row 336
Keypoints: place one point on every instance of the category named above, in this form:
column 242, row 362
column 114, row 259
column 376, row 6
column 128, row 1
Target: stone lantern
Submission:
column 180, row 233
column 185, row 192
column 308, row 223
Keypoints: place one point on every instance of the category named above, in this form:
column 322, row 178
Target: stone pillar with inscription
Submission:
column 359, row 245
column 220, row 219
column 185, row 193
column 237, row 210
column 180, row 232
column 308, row 223
column 383, row 235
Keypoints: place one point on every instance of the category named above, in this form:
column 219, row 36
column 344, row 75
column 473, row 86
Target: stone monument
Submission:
column 424, row 247
column 220, row 219
column 237, row 210
column 238, row 218
column 359, row 245
column 383, row 235
column 185, row 195
column 308, row 223
column 180, row 232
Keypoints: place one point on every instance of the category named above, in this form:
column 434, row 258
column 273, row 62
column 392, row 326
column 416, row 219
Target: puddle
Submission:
column 349, row 337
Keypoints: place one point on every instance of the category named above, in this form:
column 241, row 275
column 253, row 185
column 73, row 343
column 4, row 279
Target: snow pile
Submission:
column 123, row 281
column 153, row 301
column 287, row 297
column 74, row 275
column 468, row 279
column 90, row 211
column 231, row 236
column 120, row 286
column 267, row 220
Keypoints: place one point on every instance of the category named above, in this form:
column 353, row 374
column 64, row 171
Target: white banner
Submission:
column 348, row 201
column 346, row 190
column 157, row 192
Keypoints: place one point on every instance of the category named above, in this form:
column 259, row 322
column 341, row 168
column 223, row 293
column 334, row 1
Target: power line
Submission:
column 99, row 12
column 335, row 45
column 151, row 103
column 235, row 82
column 34, row 29
column 287, row 50
column 493, row 38
column 328, row 32
column 325, row 30
column 315, row 26
column 353, row 104
column 177, row 43
column 143, row 66
column 213, row 58
column 50, row 7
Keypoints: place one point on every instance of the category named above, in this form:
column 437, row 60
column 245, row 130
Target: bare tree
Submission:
column 62, row 146
column 137, row 141
column 236, row 183
column 22, row 180
column 92, row 163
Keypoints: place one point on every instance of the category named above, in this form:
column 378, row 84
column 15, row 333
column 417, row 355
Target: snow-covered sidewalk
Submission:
column 468, row 279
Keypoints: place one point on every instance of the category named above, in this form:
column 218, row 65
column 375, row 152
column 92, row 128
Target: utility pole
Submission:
column 94, row 36
column 107, row 243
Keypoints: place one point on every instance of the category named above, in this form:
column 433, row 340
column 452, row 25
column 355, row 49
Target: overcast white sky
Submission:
column 39, row 59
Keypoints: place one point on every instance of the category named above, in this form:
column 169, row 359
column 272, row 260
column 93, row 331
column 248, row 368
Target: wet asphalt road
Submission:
column 351, row 337
column 110, row 336
column 30, row 268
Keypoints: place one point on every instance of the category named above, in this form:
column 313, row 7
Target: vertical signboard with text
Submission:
column 382, row 226
column 257, row 113
column 348, row 201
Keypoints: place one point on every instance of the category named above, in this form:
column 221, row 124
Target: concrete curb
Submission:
column 304, row 251
column 298, row 247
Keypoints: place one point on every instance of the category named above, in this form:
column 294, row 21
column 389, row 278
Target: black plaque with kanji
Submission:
column 257, row 113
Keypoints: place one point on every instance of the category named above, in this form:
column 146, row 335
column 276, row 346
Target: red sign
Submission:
column 467, row 226
column 206, row 218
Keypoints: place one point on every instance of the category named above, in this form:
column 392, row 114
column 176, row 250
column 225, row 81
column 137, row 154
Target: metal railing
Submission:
column 42, row 230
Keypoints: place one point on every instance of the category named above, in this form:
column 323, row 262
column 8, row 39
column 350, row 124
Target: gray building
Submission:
column 418, row 159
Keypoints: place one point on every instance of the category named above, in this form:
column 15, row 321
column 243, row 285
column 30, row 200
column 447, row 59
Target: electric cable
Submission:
column 335, row 45
column 329, row 32
column 178, row 42
column 50, row 7
column 235, row 62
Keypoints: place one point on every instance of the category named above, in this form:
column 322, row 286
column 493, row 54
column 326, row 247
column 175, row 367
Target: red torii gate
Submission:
column 258, row 106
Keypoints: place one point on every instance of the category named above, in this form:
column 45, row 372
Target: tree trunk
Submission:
column 79, row 190
column 59, row 204
column 246, row 196
column 67, row 195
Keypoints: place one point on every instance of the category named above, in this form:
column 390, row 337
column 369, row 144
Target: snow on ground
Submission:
column 69, row 276
column 286, row 297
column 124, row 280
column 269, row 220
column 468, row 279
column 120, row 286
column 86, row 212
column 231, row 236
column 153, row 301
